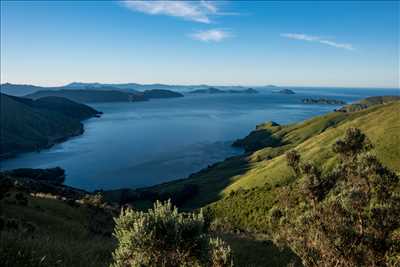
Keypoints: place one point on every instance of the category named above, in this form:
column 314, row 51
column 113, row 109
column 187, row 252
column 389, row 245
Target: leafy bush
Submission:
column 164, row 237
column 347, row 217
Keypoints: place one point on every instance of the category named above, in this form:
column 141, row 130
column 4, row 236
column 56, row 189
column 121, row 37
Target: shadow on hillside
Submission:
column 249, row 251
column 195, row 191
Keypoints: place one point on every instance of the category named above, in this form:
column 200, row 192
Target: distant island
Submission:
column 159, row 93
column 90, row 96
column 25, row 89
column 285, row 91
column 213, row 90
column 93, row 96
column 323, row 101
column 31, row 125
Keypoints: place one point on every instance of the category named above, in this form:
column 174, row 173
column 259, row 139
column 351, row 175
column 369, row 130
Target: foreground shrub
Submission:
column 164, row 237
column 346, row 217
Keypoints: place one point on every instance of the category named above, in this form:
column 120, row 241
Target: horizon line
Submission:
column 206, row 84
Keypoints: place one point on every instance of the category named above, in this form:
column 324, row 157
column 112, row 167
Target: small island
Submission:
column 285, row 91
column 323, row 101
column 213, row 90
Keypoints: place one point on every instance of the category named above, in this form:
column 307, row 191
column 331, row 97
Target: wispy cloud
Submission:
column 213, row 35
column 198, row 11
column 310, row 38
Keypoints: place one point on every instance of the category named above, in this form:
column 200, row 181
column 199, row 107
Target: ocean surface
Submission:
column 145, row 143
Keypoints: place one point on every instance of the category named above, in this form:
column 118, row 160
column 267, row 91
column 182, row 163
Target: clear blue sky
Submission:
column 350, row 44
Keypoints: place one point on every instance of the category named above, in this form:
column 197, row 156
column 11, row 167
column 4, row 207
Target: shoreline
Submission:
column 51, row 142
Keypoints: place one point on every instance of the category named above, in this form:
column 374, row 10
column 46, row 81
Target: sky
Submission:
column 337, row 44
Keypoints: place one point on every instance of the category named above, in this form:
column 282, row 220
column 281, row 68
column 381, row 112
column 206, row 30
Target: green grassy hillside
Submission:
column 264, row 164
column 28, row 125
column 43, row 223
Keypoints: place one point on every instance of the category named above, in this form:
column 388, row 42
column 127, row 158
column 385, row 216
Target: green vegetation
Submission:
column 369, row 102
column 61, row 228
column 164, row 237
column 345, row 217
column 29, row 125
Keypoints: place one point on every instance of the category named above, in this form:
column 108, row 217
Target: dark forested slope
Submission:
column 29, row 125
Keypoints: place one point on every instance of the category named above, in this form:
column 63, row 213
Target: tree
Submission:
column 164, row 237
column 350, row 216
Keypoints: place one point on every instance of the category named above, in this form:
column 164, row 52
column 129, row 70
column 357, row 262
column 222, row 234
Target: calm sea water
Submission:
column 140, row 144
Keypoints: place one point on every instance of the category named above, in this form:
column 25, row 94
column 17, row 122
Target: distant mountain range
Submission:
column 29, row 125
column 25, row 89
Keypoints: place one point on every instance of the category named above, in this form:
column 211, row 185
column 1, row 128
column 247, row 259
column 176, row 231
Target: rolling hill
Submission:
column 29, row 125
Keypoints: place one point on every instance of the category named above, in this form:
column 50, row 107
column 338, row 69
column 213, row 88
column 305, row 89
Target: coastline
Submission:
column 52, row 141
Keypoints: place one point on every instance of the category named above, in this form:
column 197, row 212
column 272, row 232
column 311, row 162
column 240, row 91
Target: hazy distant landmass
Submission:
column 285, row 91
column 21, row 89
column 159, row 93
column 25, row 89
column 93, row 96
column 213, row 90
column 29, row 125
column 90, row 96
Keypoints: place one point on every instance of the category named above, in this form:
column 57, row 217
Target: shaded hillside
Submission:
column 264, row 164
column 29, row 125
column 45, row 223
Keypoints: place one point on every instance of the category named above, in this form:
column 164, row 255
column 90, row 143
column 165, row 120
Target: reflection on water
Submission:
column 139, row 144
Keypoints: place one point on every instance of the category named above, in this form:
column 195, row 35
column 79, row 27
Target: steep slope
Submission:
column 28, row 125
